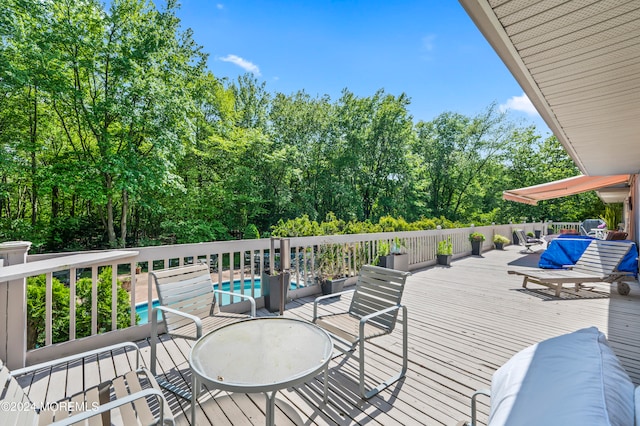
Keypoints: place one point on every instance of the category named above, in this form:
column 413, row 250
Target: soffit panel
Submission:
column 609, row 45
column 537, row 39
column 602, row 92
column 549, row 16
column 558, row 81
column 579, row 63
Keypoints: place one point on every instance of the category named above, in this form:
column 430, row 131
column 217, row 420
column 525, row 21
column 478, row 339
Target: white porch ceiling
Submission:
column 579, row 63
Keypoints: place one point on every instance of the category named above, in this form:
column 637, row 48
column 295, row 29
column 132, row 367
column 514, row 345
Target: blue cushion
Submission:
column 574, row 379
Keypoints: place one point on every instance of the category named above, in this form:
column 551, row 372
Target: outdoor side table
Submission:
column 259, row 355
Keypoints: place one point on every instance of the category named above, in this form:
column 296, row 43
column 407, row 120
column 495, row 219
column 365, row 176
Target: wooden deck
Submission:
column 464, row 322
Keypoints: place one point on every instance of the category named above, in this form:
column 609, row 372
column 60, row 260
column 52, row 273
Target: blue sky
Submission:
column 429, row 49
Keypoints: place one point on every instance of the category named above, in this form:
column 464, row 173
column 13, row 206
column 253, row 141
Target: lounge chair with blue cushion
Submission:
column 598, row 263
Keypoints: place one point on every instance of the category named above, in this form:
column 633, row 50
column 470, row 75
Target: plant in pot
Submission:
column 476, row 239
column 444, row 252
column 394, row 255
column 499, row 241
column 330, row 268
column 384, row 252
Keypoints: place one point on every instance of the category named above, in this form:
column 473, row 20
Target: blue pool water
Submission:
column 224, row 299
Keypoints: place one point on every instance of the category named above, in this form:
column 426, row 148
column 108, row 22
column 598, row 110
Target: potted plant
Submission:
column 444, row 252
column 499, row 241
column 476, row 239
column 384, row 254
column 330, row 268
column 275, row 282
column 394, row 255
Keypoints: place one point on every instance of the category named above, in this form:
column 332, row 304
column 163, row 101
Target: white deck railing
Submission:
column 243, row 260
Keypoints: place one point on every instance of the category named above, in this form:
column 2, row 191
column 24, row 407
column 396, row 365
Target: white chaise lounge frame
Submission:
column 598, row 263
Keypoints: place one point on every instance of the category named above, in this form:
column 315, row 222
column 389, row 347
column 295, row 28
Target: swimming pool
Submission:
column 224, row 299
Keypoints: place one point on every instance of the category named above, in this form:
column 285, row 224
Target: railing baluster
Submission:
column 94, row 300
column 72, row 303
column 134, row 279
column 114, row 297
column 48, row 321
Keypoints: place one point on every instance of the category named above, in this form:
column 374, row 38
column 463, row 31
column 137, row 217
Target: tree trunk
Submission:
column 55, row 202
column 111, row 233
column 123, row 221
column 34, row 190
column 33, row 139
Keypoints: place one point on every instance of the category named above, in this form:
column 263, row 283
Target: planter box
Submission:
column 499, row 246
column 444, row 259
column 476, row 248
column 399, row 262
column 332, row 286
column 274, row 290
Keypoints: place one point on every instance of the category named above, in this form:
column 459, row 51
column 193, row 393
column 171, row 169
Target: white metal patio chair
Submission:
column 188, row 306
column 129, row 399
column 373, row 312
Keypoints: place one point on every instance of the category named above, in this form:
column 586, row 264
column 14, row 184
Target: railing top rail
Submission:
column 62, row 263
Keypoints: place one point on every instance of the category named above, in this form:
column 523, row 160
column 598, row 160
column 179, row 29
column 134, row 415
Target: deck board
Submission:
column 464, row 322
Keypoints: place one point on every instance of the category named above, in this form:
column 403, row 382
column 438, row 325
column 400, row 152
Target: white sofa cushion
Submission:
column 574, row 379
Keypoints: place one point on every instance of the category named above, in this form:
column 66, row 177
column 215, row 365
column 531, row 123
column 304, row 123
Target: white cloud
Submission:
column 242, row 63
column 519, row 103
column 427, row 42
column 220, row 6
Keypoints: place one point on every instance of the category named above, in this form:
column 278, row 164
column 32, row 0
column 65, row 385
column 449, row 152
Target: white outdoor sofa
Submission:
column 573, row 379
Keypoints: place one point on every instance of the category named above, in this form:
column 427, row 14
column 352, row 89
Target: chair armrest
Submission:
column 474, row 397
column 242, row 296
column 154, row 319
column 112, row 405
column 75, row 357
column 327, row 296
column 366, row 318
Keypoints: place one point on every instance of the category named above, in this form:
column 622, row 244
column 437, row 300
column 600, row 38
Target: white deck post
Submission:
column 13, row 307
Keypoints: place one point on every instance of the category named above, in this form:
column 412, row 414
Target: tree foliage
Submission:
column 114, row 133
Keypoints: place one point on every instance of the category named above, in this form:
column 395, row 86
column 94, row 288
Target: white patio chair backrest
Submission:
column 377, row 289
column 188, row 289
column 602, row 257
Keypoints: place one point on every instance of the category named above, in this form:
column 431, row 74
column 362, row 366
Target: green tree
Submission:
column 122, row 99
column 454, row 153
column 376, row 133
column 308, row 125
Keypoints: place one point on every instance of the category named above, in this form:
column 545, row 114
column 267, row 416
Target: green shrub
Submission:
column 476, row 236
column 36, row 295
column 500, row 239
column 445, row 247
column 193, row 231
column 251, row 232
column 299, row 227
column 83, row 307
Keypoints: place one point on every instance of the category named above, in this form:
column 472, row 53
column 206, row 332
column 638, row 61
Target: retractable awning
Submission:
column 562, row 188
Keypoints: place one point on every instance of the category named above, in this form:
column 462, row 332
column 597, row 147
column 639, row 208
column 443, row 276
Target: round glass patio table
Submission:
column 259, row 355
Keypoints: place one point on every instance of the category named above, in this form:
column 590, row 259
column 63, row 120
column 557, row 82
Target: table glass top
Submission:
column 261, row 351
